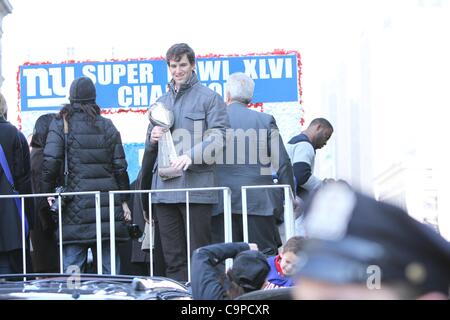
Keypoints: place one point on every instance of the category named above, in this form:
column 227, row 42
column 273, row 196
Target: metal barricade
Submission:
column 227, row 220
column 59, row 196
column 289, row 219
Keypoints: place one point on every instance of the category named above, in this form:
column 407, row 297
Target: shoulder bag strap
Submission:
column 7, row 171
column 5, row 167
column 66, row 164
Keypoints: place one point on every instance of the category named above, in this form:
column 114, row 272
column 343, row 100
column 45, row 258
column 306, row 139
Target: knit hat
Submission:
column 82, row 90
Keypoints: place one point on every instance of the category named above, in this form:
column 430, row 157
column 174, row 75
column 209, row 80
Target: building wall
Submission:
column 5, row 9
column 387, row 98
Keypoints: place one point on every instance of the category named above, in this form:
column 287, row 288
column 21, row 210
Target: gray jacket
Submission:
column 254, row 164
column 193, row 106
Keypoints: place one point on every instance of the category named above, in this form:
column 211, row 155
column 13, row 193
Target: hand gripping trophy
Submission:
column 160, row 115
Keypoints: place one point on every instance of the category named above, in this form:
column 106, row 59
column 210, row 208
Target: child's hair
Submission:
column 294, row 244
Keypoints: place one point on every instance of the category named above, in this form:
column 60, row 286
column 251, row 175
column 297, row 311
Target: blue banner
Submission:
column 137, row 84
column 134, row 153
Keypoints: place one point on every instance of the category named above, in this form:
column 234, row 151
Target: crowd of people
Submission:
column 342, row 235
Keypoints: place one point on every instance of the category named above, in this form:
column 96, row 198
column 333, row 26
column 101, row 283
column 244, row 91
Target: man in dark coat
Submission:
column 96, row 162
column 15, row 148
column 254, row 148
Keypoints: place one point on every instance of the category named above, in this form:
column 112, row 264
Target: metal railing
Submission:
column 289, row 218
column 227, row 220
column 59, row 196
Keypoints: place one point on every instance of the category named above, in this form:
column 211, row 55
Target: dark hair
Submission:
column 232, row 289
column 91, row 109
column 177, row 51
column 40, row 130
column 323, row 122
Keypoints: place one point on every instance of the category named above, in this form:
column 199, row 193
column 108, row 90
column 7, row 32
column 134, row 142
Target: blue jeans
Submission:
column 76, row 254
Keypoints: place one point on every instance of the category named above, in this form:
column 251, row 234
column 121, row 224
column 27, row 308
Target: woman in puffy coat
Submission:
column 96, row 162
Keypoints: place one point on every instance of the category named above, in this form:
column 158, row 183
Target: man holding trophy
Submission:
column 185, row 136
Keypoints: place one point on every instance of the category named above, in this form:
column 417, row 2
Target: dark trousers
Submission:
column 173, row 232
column 262, row 230
column 45, row 254
column 12, row 262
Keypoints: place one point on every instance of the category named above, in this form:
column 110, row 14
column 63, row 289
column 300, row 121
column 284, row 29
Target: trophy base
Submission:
column 167, row 173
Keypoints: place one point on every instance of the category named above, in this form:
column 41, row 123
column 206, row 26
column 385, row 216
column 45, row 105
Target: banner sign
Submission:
column 135, row 84
column 125, row 90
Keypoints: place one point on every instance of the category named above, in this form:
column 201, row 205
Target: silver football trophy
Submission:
column 160, row 115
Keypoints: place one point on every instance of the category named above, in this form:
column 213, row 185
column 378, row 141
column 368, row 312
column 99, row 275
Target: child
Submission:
column 282, row 266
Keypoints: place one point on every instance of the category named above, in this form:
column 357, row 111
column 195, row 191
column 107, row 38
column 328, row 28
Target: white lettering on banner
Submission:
column 119, row 70
column 138, row 96
column 276, row 67
column 32, row 75
column 56, row 74
column 270, row 68
column 48, row 85
column 39, row 78
column 132, row 73
column 225, row 69
column 89, row 71
column 210, row 70
column 124, row 98
column 217, row 87
column 106, row 74
column 155, row 93
column 44, row 103
column 262, row 70
column 250, row 68
column 146, row 73
column 288, row 67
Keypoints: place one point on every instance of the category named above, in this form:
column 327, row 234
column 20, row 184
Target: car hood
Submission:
column 90, row 287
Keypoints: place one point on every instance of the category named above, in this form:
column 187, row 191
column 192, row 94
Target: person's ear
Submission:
column 227, row 97
column 318, row 128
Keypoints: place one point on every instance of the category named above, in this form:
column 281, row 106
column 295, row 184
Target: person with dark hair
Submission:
column 360, row 248
column 302, row 152
column 45, row 250
column 283, row 265
column 200, row 122
column 96, row 162
column 14, row 178
column 248, row 273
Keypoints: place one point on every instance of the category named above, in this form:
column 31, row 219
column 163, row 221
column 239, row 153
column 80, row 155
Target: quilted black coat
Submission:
column 96, row 161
